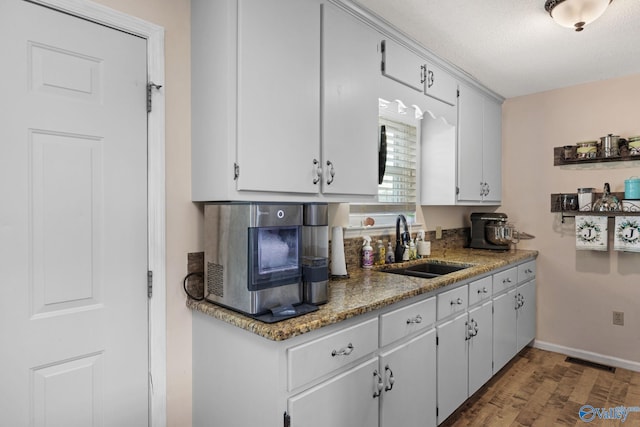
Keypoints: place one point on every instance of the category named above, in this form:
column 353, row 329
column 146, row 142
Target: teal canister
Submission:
column 632, row 188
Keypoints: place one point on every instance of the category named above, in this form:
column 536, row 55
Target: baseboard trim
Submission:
column 588, row 355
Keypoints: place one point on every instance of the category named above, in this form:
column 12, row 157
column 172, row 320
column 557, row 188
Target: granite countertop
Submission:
column 368, row 290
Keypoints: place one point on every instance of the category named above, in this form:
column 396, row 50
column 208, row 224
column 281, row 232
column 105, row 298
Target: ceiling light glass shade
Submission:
column 576, row 13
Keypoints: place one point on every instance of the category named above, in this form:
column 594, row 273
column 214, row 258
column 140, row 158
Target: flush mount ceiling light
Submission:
column 576, row 13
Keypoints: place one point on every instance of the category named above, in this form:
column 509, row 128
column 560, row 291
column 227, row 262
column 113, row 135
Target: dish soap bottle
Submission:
column 390, row 258
column 367, row 253
column 379, row 258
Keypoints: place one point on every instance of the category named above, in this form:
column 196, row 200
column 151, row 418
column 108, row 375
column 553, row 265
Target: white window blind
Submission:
column 399, row 184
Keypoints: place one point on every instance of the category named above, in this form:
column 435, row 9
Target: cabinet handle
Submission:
column 332, row 172
column 379, row 384
column 458, row 301
column 487, row 189
column 482, row 189
column 343, row 351
column 507, row 280
column 417, row 319
column 390, row 379
column 317, row 169
column 431, row 79
column 528, row 271
column 483, row 291
column 423, row 73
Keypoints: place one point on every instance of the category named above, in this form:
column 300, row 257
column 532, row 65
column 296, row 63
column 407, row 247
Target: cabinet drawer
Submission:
column 480, row 290
column 407, row 320
column 505, row 280
column 452, row 301
column 526, row 271
column 319, row 357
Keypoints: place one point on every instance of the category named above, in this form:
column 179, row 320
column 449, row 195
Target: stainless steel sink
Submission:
column 428, row 270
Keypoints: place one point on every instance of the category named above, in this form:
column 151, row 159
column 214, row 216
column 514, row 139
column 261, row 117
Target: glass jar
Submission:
column 587, row 150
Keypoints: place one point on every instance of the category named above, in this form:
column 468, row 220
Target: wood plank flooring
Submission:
column 539, row 388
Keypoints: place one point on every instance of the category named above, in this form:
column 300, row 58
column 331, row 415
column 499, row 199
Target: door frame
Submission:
column 157, row 334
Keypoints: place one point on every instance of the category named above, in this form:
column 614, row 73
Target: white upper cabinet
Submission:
column 479, row 148
column 407, row 67
column 350, row 104
column 278, row 95
column 268, row 80
column 402, row 65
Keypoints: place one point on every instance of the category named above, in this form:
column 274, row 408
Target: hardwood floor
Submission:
column 539, row 388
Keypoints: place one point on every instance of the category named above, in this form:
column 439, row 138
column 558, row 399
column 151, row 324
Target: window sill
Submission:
column 376, row 230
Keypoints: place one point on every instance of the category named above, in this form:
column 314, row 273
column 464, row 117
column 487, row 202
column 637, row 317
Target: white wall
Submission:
column 577, row 290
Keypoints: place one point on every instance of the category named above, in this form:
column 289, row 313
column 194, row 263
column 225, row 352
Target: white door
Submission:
column 452, row 365
column 480, row 346
column 73, row 221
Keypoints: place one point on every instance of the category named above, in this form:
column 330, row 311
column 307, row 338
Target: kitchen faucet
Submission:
column 401, row 239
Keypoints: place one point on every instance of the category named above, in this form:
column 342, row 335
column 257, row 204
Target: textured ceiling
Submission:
column 513, row 47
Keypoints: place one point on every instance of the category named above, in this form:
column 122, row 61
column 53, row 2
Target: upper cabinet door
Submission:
column 492, row 146
column 470, row 128
column 441, row 85
column 402, row 65
column 278, row 119
column 350, row 104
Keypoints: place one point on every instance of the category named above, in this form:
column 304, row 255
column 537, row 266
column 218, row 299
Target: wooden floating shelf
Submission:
column 556, row 206
column 559, row 160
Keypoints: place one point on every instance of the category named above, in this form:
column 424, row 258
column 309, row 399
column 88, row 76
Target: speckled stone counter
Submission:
column 368, row 290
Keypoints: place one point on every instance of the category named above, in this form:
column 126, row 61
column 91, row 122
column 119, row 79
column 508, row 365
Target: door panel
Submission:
column 73, row 221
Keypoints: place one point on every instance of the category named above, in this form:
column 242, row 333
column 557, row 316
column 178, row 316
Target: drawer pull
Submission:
column 528, row 271
column 483, row 290
column 507, row 280
column 458, row 302
column 390, row 379
column 379, row 384
column 417, row 319
column 343, row 351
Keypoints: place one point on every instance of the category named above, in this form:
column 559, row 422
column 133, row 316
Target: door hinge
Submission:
column 150, row 87
column 149, row 284
column 236, row 171
column 287, row 420
column 437, row 340
column 437, row 411
column 458, row 93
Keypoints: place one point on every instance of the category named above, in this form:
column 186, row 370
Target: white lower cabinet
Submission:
column 480, row 346
column 525, row 314
column 409, row 376
column 412, row 365
column 514, row 321
column 504, row 329
column 345, row 400
column 452, row 365
column 464, row 357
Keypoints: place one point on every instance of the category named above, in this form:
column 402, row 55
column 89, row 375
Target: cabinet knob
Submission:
column 332, row 172
column 417, row 319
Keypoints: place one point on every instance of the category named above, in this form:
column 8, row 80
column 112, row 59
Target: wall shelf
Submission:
column 559, row 160
column 556, row 207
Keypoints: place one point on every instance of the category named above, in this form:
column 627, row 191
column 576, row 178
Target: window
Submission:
column 397, row 194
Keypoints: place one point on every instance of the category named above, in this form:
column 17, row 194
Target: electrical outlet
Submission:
column 438, row 232
column 618, row 318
